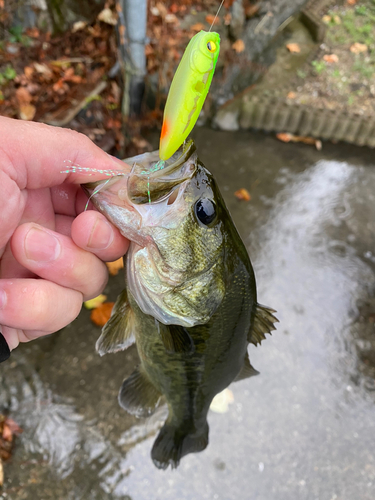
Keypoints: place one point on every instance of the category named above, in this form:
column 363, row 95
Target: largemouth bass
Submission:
column 190, row 300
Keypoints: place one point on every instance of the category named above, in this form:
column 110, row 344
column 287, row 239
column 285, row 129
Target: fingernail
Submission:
column 41, row 245
column 101, row 235
column 3, row 299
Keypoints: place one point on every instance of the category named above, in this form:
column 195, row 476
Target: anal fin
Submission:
column 247, row 370
column 138, row 395
column 264, row 322
column 117, row 333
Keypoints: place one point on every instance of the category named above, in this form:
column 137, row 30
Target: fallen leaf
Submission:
column 326, row 19
column 23, row 96
column 43, row 69
column 1, row 473
column 171, row 19
column 95, row 302
column 286, row 137
column 331, row 58
column 7, row 433
column 251, row 10
column 28, row 70
column 13, row 426
column 242, row 194
column 336, row 19
column 291, row 95
column 221, row 402
column 115, row 266
column 197, row 27
column 351, row 2
column 162, row 9
column 108, row 16
column 294, row 48
column 101, row 314
column 27, row 111
column 358, row 48
column 212, row 20
column 79, row 25
column 238, row 46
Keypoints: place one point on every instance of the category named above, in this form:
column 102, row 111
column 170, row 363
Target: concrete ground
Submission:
column 302, row 430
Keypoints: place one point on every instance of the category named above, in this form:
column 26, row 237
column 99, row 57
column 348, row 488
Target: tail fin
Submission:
column 173, row 443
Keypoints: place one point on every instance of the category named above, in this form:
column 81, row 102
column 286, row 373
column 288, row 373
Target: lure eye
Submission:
column 211, row 46
column 205, row 210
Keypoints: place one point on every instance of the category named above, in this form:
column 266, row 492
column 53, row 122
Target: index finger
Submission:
column 33, row 155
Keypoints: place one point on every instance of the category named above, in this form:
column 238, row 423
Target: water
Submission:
column 304, row 428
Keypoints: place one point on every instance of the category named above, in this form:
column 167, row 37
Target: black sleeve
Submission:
column 4, row 349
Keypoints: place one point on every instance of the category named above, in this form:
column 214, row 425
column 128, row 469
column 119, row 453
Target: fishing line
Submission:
column 218, row 10
column 96, row 192
column 77, row 168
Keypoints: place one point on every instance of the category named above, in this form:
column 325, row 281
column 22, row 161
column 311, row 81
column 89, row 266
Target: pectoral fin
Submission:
column 263, row 323
column 138, row 395
column 176, row 339
column 117, row 333
column 247, row 370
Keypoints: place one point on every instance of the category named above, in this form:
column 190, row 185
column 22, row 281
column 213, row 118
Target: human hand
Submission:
column 51, row 250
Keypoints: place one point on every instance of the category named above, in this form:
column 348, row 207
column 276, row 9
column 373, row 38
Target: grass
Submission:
column 7, row 74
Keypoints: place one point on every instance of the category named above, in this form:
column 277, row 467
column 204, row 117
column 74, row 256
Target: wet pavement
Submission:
column 303, row 429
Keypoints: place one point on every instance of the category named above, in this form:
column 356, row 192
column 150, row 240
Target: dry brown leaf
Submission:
column 198, row 27
column 7, row 433
column 1, row 473
column 23, row 96
column 358, row 48
column 291, row 95
column 331, row 58
column 238, row 46
column 294, row 48
column 284, row 136
column 326, row 19
column 115, row 266
column 27, row 111
column 212, row 20
column 351, row 2
column 163, row 11
column 13, row 426
column 28, row 70
column 101, row 314
column 95, row 302
column 171, row 19
column 242, row 194
column 251, row 10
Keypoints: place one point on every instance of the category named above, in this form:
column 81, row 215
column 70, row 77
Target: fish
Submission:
column 188, row 91
column 189, row 302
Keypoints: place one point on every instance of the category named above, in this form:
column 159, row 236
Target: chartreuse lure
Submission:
column 188, row 91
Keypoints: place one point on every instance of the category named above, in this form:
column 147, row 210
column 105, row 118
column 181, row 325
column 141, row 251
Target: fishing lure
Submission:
column 188, row 91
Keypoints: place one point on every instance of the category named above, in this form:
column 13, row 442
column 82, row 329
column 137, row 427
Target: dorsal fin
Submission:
column 264, row 322
column 138, row 395
column 117, row 333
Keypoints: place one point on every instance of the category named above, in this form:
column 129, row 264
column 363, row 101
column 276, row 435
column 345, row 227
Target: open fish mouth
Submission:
column 141, row 197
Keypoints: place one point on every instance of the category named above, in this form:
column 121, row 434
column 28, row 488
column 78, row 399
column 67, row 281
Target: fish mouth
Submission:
column 135, row 199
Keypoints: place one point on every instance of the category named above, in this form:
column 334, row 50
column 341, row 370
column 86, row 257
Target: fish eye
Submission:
column 205, row 210
column 211, row 46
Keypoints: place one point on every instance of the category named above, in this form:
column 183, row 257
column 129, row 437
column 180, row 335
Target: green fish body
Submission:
column 190, row 300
